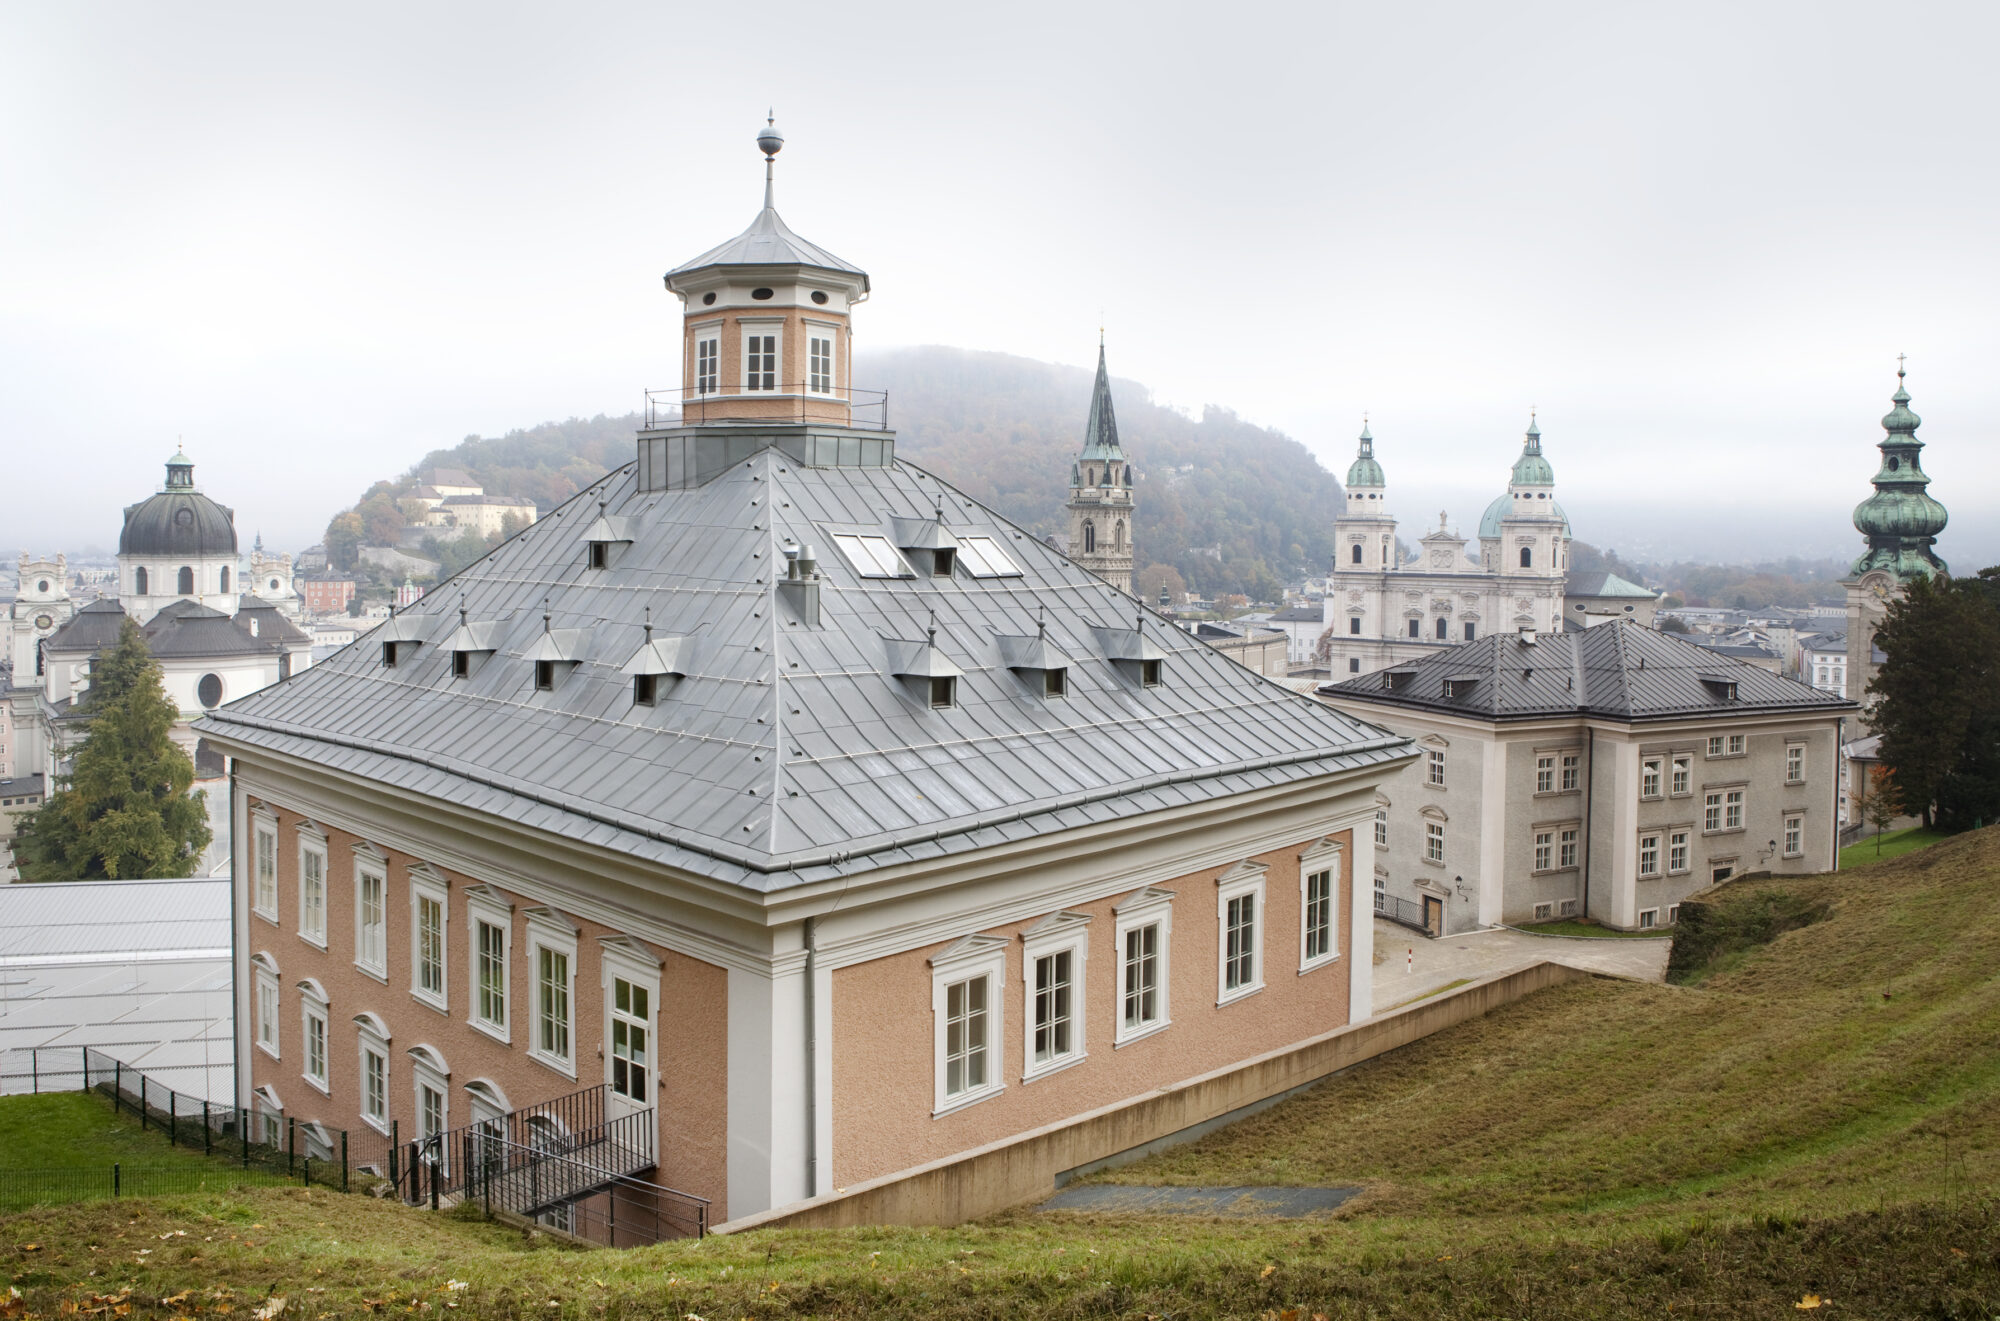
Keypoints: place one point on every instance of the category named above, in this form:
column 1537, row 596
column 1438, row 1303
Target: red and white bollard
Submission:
column 1413, row 961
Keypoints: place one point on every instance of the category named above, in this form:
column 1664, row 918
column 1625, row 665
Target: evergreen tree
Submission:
column 125, row 808
column 1939, row 709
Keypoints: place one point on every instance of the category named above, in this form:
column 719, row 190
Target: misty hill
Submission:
column 1231, row 507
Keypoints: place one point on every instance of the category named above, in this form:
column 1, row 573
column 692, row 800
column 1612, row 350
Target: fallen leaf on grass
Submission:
column 270, row 1309
column 31, row 1247
column 1267, row 1272
column 1809, row 1302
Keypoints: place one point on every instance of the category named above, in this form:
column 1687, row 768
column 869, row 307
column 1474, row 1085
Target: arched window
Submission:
column 139, row 582
column 187, row 581
column 1118, row 535
column 1527, row 557
column 225, row 578
column 1089, row 537
column 1444, row 629
column 1357, row 553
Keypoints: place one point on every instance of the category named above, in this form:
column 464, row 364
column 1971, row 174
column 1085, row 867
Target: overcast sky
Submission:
column 315, row 242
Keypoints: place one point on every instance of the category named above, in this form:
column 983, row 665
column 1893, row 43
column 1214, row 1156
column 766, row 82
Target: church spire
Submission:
column 1365, row 471
column 1100, row 433
column 1100, row 494
column 1901, row 520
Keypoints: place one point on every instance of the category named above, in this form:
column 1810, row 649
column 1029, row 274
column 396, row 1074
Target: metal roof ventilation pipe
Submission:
column 1528, row 635
column 800, row 586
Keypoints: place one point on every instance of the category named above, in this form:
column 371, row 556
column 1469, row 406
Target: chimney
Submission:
column 800, row 585
column 1528, row 636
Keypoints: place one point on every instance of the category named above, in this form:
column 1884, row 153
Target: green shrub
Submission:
column 1712, row 929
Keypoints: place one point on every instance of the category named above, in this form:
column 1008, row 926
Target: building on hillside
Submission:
column 1101, row 503
column 326, row 596
column 1746, row 650
column 790, row 800
column 483, row 514
column 1380, row 611
column 1605, row 774
column 444, row 482
column 407, row 593
column 270, row 579
column 1901, row 521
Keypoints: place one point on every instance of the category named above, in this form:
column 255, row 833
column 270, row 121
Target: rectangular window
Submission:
column 820, row 358
column 1414, row 625
column 1673, row 914
column 1715, row 745
column 312, row 895
column 1381, row 827
column 645, row 689
column 430, row 947
column 944, row 692
column 374, row 1086
column 1544, row 911
column 1566, row 845
column 965, row 1036
column 1711, row 811
column 1682, row 775
column 267, row 873
column 1055, row 683
column 1052, row 1007
column 1795, row 836
column 630, row 1019
column 760, row 362
column 1795, row 763
column 707, row 365
column 1677, row 852
column 1354, row 624
column 1736, row 743
column 492, row 955
column 1141, row 1007
column 1648, row 918
column 370, row 934
column 1721, row 872
column 1433, row 841
column 267, row 1012
column 1732, row 810
column 872, row 556
column 315, row 1023
column 983, row 558
column 1649, row 855
column 1545, row 849
column 1572, row 764
column 1471, row 630
column 1239, row 966
column 430, row 1111
column 1545, row 775
column 1437, row 767
column 1649, row 778
column 552, row 1004
column 1319, row 915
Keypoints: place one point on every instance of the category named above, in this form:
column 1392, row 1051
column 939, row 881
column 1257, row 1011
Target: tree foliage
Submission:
column 127, row 807
column 1938, row 701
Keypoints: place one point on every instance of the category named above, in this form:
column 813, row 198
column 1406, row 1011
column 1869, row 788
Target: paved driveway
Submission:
column 1407, row 965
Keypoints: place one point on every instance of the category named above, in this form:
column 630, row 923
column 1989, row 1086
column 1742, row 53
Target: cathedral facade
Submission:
column 1382, row 609
column 1100, row 493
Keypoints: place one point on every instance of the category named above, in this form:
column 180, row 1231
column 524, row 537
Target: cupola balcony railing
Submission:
column 797, row 401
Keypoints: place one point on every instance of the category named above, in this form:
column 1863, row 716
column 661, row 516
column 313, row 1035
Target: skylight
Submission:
column 983, row 558
column 872, row 556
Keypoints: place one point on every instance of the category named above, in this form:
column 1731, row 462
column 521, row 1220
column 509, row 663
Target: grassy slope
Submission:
column 1605, row 1149
column 1591, row 931
column 1893, row 844
column 69, row 1131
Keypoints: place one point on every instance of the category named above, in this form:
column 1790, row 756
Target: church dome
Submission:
column 1531, row 469
column 1365, row 471
column 1503, row 507
column 179, row 521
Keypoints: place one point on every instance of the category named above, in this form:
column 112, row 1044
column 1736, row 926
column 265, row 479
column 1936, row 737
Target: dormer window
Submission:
column 942, row 561
column 1149, row 674
column 645, row 690
column 928, row 674
column 944, row 692
column 545, row 676
column 398, row 636
column 1055, row 683
column 656, row 659
column 1035, row 656
column 606, row 539
column 599, row 556
column 556, row 653
column 470, row 645
column 461, row 664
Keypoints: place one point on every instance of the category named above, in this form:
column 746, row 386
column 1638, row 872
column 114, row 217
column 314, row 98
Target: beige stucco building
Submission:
column 1605, row 774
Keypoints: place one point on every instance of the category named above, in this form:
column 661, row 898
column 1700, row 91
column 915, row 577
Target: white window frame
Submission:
column 313, row 1014
column 1681, row 781
column 1244, row 880
column 1325, row 857
column 1572, row 771
column 1738, row 745
column 1381, row 826
column 1732, row 809
column 1714, row 746
column 1650, row 841
column 267, row 1004
column 1795, row 763
column 1794, row 835
column 550, row 930
column 1673, row 914
column 1436, row 776
column 1150, row 907
column 270, row 1112
column 622, row 958
column 963, row 961
column 312, row 844
column 485, row 906
column 1434, row 842
column 370, row 864
column 427, row 884
column 708, row 382
column 1545, row 773
column 1056, row 934
column 1711, row 811
column 818, row 333
column 1648, row 918
column 1680, row 838
column 983, row 557
column 1545, row 851
column 750, row 330
column 264, row 850
column 374, row 1041
column 428, row 1069
column 1568, row 844
column 1652, row 777
column 872, row 555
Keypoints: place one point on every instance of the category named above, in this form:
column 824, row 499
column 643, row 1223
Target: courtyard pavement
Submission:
column 1479, row 954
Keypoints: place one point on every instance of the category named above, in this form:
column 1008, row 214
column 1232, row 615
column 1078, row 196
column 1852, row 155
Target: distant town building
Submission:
column 1901, row 522
column 1823, row 662
column 1100, row 493
column 1599, row 596
column 326, row 596
column 407, row 593
column 1255, row 645
column 483, row 514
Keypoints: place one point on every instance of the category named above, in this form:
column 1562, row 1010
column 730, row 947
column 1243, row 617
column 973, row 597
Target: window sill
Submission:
column 1439, row 787
column 1323, row 961
column 1141, row 1033
column 1724, row 756
column 1238, row 995
column 271, row 916
column 497, row 1031
column 1551, row 871
column 429, row 1001
column 1791, row 857
column 318, row 943
column 1434, row 862
column 316, row 1085
column 1055, row 1066
column 968, row 1100
column 1649, row 876
column 1651, row 798
column 1685, row 871
column 1795, row 783
column 373, row 974
column 269, row 1051
column 1557, row 793
column 379, row 1125
column 566, row 1068
column 1722, row 830
column 1682, row 793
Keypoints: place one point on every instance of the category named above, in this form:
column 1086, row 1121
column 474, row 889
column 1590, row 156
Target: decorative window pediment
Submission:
column 1247, row 870
column 968, row 950
column 310, row 986
column 1433, row 812
column 1139, row 901
column 1321, row 851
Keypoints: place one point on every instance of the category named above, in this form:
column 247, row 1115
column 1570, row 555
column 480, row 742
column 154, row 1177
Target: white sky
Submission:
column 317, row 243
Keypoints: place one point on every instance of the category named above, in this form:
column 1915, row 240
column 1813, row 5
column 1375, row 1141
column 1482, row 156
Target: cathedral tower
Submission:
column 1100, row 493
column 1365, row 531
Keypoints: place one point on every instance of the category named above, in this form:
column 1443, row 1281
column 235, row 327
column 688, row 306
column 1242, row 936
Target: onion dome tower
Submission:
column 1365, row 532
column 1524, row 532
column 1100, row 492
column 766, row 323
column 177, row 545
column 1901, row 520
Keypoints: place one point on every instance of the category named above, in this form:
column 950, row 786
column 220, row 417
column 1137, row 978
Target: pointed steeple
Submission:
column 1365, row 471
column 1100, row 433
column 1531, row 469
column 1901, row 520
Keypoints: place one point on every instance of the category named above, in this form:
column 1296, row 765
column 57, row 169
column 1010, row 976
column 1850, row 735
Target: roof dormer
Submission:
column 926, row 671
column 470, row 644
column 606, row 539
column 1036, row 659
column 555, row 655
column 662, row 658
column 1132, row 653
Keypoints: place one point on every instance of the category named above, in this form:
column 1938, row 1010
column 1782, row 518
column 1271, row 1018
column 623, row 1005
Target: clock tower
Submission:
column 1100, row 493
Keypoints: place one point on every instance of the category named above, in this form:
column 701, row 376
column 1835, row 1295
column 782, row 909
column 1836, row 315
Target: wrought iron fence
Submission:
column 796, row 401
column 1403, row 912
column 579, row 1194
column 36, row 1187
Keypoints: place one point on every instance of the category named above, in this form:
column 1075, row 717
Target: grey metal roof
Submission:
column 1300, row 614
column 789, row 753
column 1601, row 583
column 92, row 628
column 769, row 242
column 1620, row 670
column 186, row 630
column 23, row 784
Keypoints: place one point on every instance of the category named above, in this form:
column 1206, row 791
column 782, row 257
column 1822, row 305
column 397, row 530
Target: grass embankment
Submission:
column 77, row 1131
column 1891, row 844
column 1590, row 931
column 1603, row 1149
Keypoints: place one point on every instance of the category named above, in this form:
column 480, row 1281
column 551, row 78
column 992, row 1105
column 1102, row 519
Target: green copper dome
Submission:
column 1531, row 469
column 1901, row 520
column 1364, row 471
column 1503, row 507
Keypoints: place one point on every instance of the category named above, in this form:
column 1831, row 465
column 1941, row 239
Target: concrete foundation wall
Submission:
column 1024, row 1168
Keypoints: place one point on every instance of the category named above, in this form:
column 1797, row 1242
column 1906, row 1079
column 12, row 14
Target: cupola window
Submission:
column 139, row 581
column 819, row 296
column 186, row 585
column 819, row 358
column 761, row 295
column 1527, row 557
column 760, row 362
column 707, row 364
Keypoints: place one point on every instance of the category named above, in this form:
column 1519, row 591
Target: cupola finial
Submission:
column 770, row 142
column 649, row 626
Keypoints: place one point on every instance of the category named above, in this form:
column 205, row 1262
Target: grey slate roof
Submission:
column 769, row 242
column 1620, row 670
column 787, row 753
column 92, row 628
column 1299, row 614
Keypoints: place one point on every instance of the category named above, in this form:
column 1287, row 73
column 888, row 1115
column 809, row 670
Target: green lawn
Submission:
column 77, row 1131
column 1819, row 1119
column 1894, row 844
column 1571, row 927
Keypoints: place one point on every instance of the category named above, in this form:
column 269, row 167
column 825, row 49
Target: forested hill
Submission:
column 1231, row 507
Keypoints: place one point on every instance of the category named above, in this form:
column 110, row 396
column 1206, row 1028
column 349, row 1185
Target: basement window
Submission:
column 1055, row 683
column 944, row 692
column 645, row 690
column 1149, row 674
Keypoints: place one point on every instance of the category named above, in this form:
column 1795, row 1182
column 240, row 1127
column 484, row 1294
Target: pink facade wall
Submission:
column 691, row 1020
column 883, row 1030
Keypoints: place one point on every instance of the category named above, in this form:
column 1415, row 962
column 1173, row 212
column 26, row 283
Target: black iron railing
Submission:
column 868, row 410
column 1403, row 912
column 579, row 1193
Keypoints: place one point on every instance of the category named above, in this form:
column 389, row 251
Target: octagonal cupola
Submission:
column 1901, row 519
column 766, row 330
